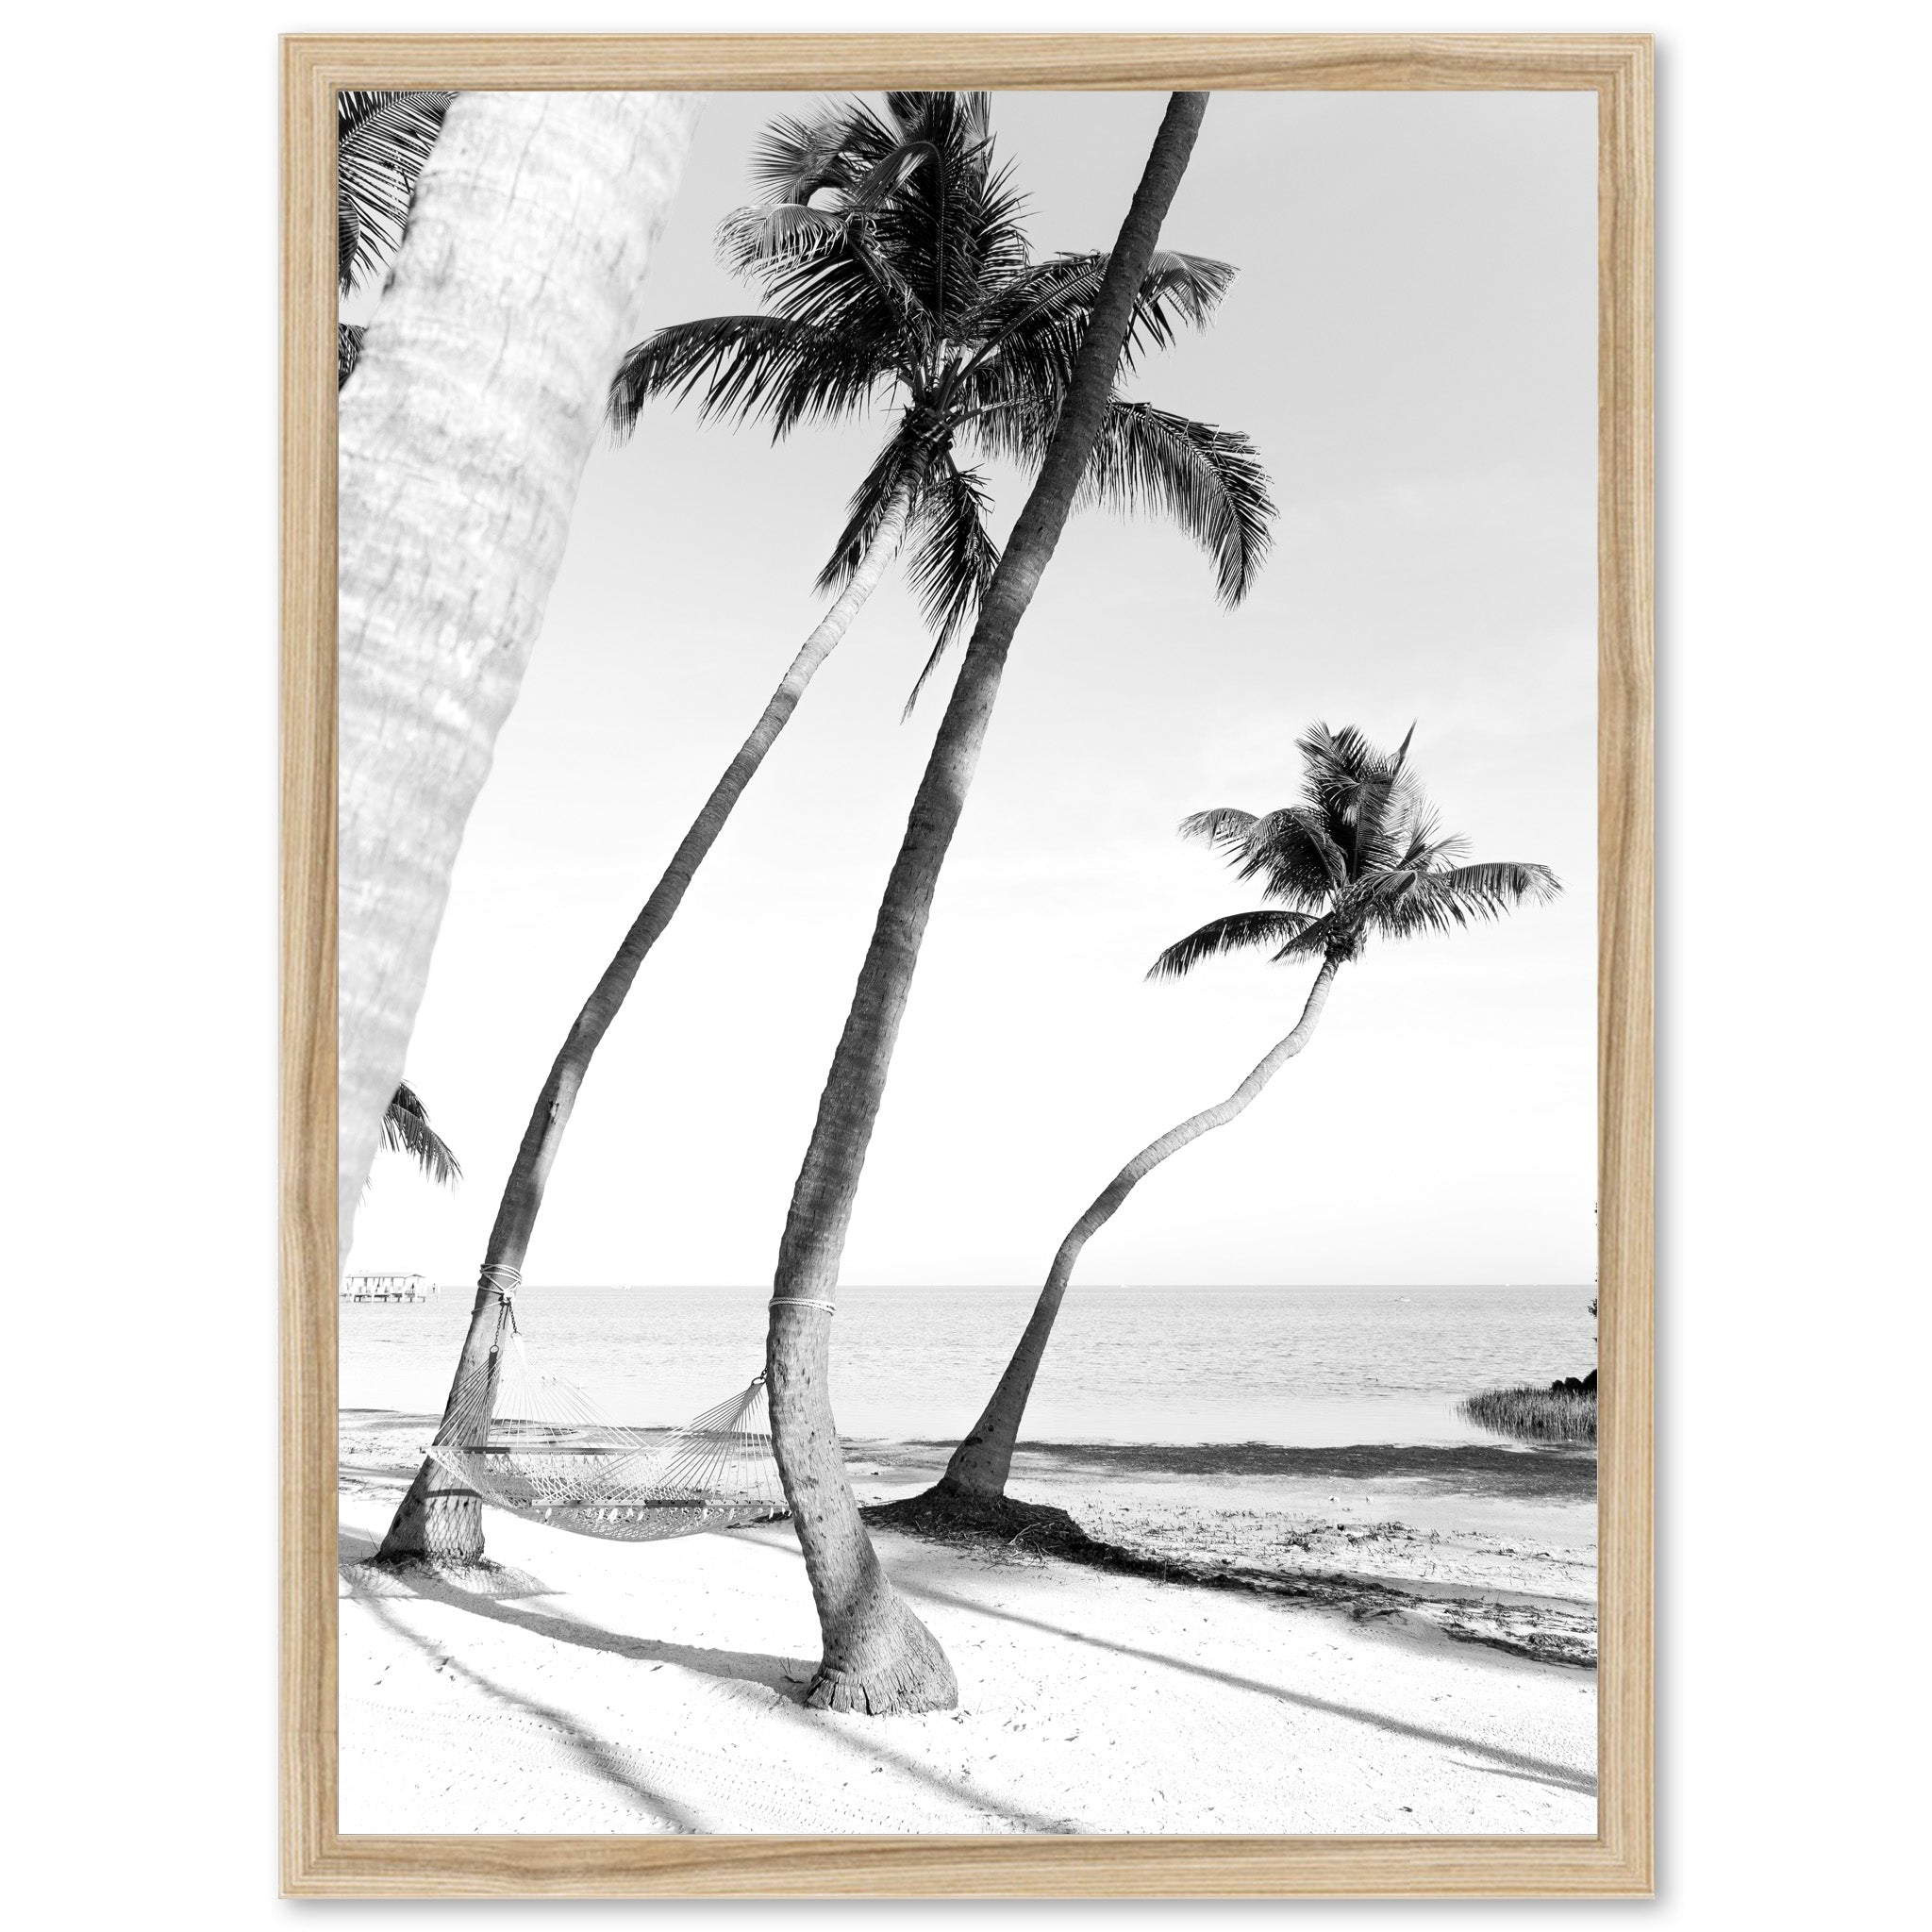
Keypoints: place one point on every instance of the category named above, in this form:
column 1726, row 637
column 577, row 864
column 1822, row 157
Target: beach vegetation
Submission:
column 1535, row 1415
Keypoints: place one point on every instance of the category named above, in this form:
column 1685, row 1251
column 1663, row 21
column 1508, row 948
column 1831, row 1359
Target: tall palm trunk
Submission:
column 439, row 1517
column 980, row 1464
column 461, row 443
column 878, row 1656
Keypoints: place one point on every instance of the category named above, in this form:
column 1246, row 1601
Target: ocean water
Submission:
column 1314, row 1367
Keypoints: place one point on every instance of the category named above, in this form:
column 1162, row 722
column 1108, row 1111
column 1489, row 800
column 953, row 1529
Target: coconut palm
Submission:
column 1357, row 856
column 878, row 1655
column 460, row 444
column 891, row 253
column 383, row 138
column 405, row 1129
column 913, row 287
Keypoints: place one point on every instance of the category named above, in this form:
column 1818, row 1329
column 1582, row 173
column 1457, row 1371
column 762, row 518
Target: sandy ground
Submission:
column 1381, row 1666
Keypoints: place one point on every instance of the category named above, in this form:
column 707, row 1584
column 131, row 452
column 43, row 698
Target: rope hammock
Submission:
column 538, row 1446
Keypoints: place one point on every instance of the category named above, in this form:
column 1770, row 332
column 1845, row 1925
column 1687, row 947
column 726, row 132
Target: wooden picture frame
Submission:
column 316, row 1858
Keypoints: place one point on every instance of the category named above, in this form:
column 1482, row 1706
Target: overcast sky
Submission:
column 1411, row 344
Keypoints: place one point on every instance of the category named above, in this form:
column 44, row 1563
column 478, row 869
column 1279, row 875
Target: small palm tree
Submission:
column 382, row 139
column 1357, row 856
column 405, row 1129
column 910, row 284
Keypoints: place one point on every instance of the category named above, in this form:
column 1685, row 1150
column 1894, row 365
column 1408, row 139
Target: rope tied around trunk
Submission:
column 505, row 1279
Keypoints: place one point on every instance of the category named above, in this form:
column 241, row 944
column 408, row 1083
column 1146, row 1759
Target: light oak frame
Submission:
column 317, row 1860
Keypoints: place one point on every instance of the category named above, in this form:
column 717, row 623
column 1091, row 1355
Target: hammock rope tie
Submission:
column 505, row 1279
column 799, row 1301
column 538, row 1446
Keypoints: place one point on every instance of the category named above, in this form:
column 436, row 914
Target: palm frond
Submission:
column 1294, row 854
column 828, row 271
column 1226, row 826
column 1412, row 904
column 1231, row 934
column 382, row 139
column 1501, row 882
column 1209, row 480
column 946, row 213
column 348, row 350
column 968, row 111
column 953, row 560
column 772, row 366
column 1328, row 937
column 1179, row 291
column 795, row 158
column 407, row 1130
column 765, row 234
column 902, row 464
column 1366, row 796
column 1035, row 324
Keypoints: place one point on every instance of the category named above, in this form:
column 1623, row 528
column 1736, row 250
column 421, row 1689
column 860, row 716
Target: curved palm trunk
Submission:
column 979, row 1465
column 878, row 1656
column 479, row 392
column 439, row 1517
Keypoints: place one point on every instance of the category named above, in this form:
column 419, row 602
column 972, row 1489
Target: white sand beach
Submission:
column 1358, row 1686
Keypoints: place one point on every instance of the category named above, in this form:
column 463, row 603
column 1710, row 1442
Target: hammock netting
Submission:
column 534, row 1444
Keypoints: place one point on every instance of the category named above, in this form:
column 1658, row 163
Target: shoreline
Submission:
column 1490, row 1544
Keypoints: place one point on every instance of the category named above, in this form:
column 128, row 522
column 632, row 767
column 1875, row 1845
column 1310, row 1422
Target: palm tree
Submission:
column 461, row 443
column 405, row 1129
column 878, row 1655
column 382, row 139
column 1357, row 856
column 914, row 286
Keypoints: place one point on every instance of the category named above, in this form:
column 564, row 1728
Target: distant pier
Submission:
column 387, row 1288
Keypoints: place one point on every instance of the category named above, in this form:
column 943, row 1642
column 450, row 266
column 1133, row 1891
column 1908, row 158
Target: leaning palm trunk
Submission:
column 878, row 1656
column 981, row 1462
column 439, row 1517
column 479, row 392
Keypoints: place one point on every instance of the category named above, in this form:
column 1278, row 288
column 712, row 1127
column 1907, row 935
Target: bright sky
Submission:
column 1411, row 344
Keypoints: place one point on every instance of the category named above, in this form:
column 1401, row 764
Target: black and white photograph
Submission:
column 968, row 962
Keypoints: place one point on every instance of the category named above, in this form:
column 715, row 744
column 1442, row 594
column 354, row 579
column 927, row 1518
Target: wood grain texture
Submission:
column 316, row 1860
column 306, row 1109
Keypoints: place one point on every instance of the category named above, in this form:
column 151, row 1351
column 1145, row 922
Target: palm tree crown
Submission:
column 1359, row 856
column 890, row 251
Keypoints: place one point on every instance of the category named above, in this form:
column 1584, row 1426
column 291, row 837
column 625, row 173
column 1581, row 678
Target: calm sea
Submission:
column 1301, row 1366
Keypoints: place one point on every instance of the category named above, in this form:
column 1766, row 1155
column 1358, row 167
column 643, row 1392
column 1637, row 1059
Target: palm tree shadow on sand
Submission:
column 920, row 1577
column 785, row 1678
column 917, row 1580
column 597, row 1756
column 428, row 1583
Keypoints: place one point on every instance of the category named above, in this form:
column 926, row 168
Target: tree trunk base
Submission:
column 977, row 1468
column 899, row 1667
column 952, row 1514
column 439, row 1521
